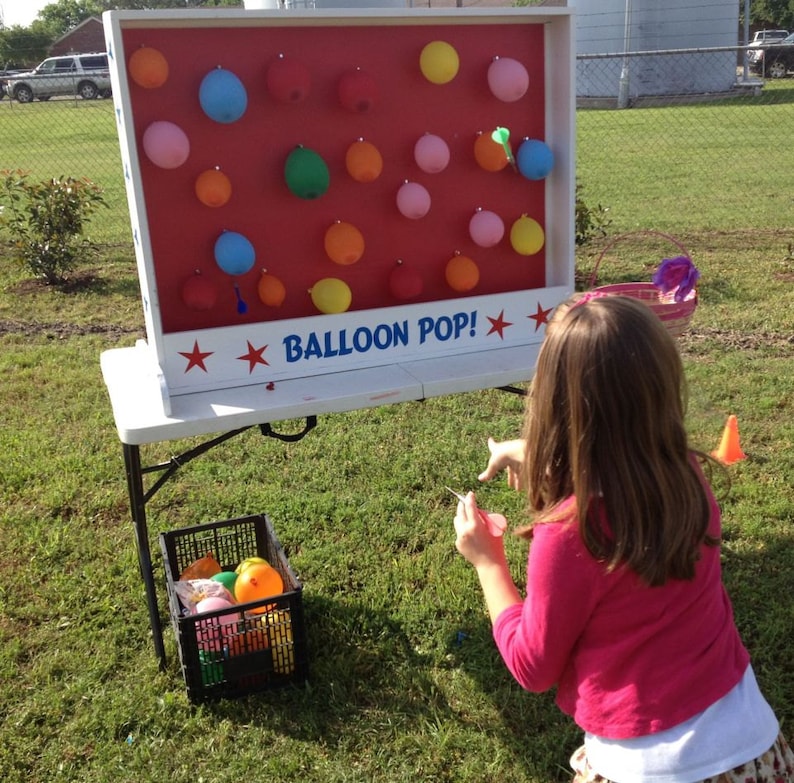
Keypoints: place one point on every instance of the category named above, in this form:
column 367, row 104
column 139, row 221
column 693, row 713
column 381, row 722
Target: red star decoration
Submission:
column 254, row 356
column 498, row 325
column 541, row 316
column 196, row 357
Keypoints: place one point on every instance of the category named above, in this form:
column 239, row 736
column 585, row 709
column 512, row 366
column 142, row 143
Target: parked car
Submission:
column 5, row 75
column 773, row 60
column 86, row 75
column 768, row 36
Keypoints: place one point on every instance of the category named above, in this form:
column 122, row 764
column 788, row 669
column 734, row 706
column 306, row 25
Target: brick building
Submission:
column 88, row 36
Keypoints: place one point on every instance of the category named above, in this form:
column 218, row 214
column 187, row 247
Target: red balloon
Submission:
column 288, row 81
column 198, row 293
column 358, row 91
column 405, row 282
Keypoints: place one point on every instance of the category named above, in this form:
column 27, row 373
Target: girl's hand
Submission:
column 474, row 540
column 507, row 455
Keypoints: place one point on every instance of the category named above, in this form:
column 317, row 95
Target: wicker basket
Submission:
column 676, row 316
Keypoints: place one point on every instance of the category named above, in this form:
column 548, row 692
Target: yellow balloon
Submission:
column 527, row 236
column 331, row 295
column 439, row 62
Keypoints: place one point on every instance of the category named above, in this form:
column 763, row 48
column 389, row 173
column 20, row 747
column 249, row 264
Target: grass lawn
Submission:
column 405, row 680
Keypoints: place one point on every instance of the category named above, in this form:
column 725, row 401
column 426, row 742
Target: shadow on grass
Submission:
column 366, row 678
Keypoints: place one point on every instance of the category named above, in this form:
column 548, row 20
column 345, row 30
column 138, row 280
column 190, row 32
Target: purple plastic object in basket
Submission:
column 676, row 316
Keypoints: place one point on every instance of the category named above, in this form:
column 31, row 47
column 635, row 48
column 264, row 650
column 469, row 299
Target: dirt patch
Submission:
column 732, row 338
column 85, row 281
column 59, row 330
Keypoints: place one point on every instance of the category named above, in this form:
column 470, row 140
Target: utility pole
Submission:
column 623, row 84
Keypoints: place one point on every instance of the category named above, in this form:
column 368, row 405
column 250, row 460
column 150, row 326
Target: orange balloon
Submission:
column 489, row 154
column 148, row 67
column 253, row 637
column 363, row 161
column 271, row 290
column 462, row 273
column 203, row 568
column 344, row 243
column 256, row 582
column 213, row 188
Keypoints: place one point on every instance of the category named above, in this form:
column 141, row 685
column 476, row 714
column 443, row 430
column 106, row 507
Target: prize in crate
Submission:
column 236, row 608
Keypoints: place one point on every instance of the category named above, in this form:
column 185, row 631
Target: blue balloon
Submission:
column 534, row 159
column 222, row 96
column 234, row 254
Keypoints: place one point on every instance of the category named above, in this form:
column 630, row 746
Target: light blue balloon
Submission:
column 234, row 254
column 222, row 96
column 534, row 159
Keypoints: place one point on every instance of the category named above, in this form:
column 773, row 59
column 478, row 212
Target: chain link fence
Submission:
column 679, row 127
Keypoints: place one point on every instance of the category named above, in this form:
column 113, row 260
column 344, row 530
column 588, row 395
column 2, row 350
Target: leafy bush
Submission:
column 46, row 221
column 590, row 221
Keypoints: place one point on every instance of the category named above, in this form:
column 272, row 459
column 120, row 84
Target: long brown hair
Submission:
column 605, row 424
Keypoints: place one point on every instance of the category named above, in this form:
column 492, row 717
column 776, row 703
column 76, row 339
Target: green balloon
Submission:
column 306, row 173
column 227, row 579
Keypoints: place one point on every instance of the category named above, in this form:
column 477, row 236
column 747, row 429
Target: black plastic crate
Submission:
column 249, row 652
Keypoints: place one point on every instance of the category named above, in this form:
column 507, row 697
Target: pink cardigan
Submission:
column 628, row 660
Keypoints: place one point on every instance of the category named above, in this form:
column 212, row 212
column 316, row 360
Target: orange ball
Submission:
column 213, row 188
column 258, row 581
column 271, row 290
column 344, row 243
column 148, row 67
column 363, row 161
column 489, row 154
column 462, row 273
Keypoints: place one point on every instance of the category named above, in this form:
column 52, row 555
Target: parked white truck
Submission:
column 86, row 75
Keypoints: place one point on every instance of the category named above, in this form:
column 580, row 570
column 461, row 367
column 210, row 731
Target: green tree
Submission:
column 770, row 13
column 21, row 47
column 63, row 15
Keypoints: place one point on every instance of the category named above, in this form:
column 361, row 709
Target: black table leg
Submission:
column 132, row 463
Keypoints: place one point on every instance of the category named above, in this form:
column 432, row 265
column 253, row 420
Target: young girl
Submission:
column 625, row 611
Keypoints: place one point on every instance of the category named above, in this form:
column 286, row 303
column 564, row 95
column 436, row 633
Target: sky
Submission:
column 21, row 12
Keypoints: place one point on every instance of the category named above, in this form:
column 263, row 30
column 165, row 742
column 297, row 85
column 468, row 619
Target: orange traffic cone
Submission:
column 729, row 450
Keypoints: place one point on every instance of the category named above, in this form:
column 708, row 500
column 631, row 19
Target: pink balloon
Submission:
column 508, row 79
column 486, row 228
column 431, row 153
column 413, row 200
column 211, row 634
column 166, row 145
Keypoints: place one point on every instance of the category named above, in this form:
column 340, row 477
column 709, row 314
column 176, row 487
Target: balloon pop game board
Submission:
column 314, row 192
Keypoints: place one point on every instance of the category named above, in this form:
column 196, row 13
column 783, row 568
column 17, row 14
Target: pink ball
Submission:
column 508, row 79
column 166, row 145
column 486, row 228
column 413, row 200
column 211, row 634
column 431, row 153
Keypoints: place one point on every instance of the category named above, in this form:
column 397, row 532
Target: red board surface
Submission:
column 288, row 232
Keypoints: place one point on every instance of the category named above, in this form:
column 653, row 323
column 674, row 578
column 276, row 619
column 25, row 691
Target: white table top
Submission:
column 143, row 416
